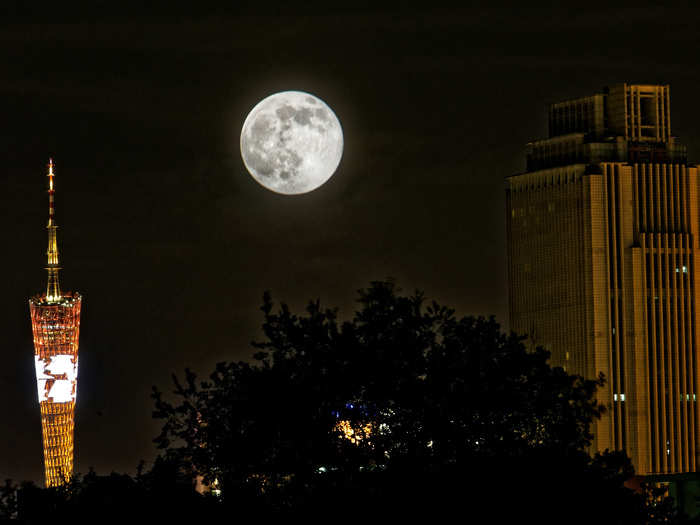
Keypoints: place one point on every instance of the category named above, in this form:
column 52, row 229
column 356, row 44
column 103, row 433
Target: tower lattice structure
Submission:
column 56, row 326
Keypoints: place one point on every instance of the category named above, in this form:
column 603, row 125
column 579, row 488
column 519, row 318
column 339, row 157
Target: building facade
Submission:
column 56, row 326
column 602, row 246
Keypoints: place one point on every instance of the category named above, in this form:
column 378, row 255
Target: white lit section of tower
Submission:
column 56, row 326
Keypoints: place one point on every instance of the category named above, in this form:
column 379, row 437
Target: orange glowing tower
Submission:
column 55, row 326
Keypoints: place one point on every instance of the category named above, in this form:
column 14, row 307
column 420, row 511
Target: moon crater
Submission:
column 291, row 142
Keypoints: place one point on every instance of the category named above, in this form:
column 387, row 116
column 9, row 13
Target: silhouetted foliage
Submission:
column 162, row 495
column 405, row 407
column 405, row 410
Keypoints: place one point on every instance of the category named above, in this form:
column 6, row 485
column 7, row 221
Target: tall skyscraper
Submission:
column 603, row 252
column 56, row 325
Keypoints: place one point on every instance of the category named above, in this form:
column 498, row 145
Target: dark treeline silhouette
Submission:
column 405, row 410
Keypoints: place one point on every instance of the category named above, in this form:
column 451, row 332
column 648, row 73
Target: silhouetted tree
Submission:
column 165, row 494
column 8, row 501
column 404, row 406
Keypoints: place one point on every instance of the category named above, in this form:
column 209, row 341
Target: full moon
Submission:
column 291, row 142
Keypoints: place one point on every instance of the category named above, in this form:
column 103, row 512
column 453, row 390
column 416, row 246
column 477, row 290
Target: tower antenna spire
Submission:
column 53, row 288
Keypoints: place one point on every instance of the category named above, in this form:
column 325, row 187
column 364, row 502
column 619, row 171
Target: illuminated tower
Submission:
column 55, row 325
column 603, row 245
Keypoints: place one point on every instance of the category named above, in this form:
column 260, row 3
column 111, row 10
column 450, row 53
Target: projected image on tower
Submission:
column 56, row 378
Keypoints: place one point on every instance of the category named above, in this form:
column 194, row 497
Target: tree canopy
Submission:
column 404, row 405
column 402, row 410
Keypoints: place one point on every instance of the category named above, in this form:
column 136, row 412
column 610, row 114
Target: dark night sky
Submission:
column 171, row 242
